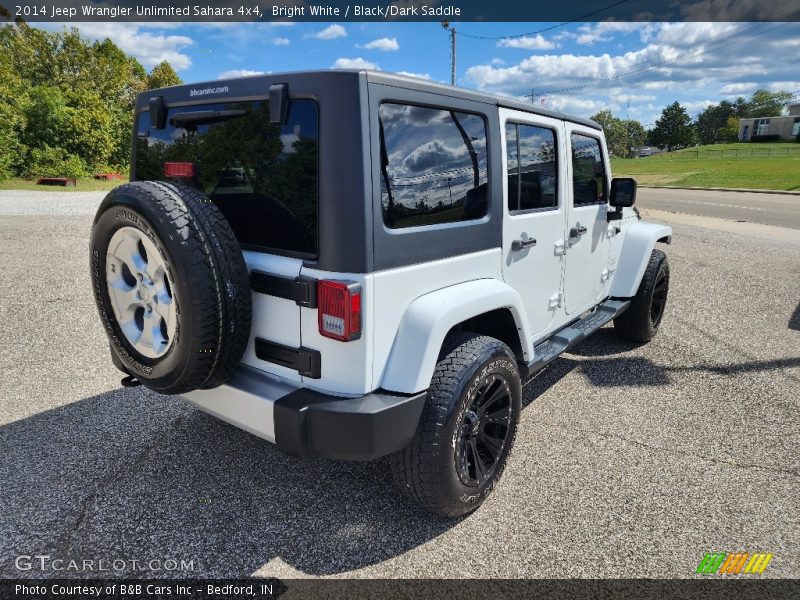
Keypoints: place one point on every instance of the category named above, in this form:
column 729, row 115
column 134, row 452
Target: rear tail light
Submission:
column 339, row 305
column 179, row 169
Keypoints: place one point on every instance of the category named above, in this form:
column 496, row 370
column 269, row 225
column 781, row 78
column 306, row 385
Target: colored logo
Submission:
column 734, row 563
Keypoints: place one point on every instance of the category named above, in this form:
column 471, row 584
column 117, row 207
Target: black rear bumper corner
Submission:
column 311, row 424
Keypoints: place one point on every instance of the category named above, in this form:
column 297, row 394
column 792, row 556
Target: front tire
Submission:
column 641, row 321
column 466, row 430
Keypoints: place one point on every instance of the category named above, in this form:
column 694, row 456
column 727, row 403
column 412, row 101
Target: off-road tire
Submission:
column 206, row 270
column 641, row 321
column 427, row 469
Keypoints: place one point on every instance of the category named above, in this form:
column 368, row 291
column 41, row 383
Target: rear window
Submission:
column 261, row 175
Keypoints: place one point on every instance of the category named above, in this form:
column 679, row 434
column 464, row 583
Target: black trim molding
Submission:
column 302, row 290
column 305, row 361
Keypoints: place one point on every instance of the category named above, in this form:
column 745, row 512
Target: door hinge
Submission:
column 560, row 248
column 556, row 300
column 604, row 275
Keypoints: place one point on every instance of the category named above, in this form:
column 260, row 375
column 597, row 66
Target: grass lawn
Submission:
column 740, row 150
column 683, row 169
column 84, row 185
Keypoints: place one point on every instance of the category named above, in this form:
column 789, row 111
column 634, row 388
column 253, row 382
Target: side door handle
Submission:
column 518, row 245
column 577, row 231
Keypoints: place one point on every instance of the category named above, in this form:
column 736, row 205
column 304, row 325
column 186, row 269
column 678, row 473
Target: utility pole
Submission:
column 446, row 25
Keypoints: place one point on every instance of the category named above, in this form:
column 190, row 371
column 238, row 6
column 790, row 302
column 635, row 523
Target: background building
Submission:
column 785, row 127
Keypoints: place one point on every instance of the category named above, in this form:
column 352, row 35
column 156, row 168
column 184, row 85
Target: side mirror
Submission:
column 623, row 192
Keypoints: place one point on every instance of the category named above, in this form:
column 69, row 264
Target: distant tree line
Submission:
column 676, row 129
column 66, row 104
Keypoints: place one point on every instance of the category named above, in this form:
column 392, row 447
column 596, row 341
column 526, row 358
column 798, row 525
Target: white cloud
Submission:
column 417, row 75
column 784, row 86
column 734, row 89
column 331, row 32
column 696, row 106
column 148, row 47
column 353, row 63
column 527, row 43
column 604, row 31
column 233, row 73
column 498, row 61
column 281, row 41
column 383, row 44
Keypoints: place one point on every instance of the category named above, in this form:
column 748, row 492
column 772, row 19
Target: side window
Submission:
column 532, row 167
column 433, row 165
column 588, row 171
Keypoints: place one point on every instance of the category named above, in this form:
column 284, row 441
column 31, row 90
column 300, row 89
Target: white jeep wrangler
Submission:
column 356, row 264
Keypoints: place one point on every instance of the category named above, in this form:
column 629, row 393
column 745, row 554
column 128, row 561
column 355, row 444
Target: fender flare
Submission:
column 429, row 318
column 640, row 239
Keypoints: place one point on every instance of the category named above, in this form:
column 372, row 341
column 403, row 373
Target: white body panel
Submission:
column 639, row 240
column 585, row 275
column 535, row 272
column 428, row 320
column 394, row 290
column 274, row 319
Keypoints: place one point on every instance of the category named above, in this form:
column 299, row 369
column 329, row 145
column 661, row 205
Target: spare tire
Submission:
column 171, row 286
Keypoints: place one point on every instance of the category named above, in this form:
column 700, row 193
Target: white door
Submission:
column 534, row 217
column 586, row 272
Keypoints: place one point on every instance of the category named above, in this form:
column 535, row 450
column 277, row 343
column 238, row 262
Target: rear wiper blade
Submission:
column 205, row 117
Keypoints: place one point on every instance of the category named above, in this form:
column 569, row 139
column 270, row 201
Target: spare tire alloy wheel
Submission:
column 140, row 292
column 171, row 286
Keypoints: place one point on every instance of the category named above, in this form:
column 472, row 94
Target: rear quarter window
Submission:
column 433, row 165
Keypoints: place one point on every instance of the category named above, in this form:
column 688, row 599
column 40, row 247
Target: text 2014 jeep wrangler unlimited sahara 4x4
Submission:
column 356, row 264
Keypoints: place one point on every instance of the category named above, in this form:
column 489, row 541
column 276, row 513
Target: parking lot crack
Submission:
column 88, row 502
column 684, row 453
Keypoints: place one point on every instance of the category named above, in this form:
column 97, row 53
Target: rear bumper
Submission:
column 306, row 423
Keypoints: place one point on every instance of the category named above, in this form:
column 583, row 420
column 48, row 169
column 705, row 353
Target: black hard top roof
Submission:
column 406, row 82
column 416, row 83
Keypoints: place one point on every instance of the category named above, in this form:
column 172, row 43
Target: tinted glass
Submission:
column 532, row 166
column 588, row 173
column 512, row 173
column 261, row 175
column 433, row 166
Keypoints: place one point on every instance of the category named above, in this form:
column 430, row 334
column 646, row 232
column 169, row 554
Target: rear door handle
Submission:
column 518, row 245
column 577, row 231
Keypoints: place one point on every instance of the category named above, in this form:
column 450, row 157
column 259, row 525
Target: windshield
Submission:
column 261, row 175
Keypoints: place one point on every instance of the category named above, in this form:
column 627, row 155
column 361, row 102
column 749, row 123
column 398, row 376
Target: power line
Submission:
column 551, row 28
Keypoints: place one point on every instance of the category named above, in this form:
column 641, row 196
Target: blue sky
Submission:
column 633, row 69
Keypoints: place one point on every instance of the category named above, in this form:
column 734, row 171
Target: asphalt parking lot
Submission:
column 631, row 461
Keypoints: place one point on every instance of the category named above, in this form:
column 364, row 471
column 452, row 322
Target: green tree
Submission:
column 46, row 118
column 712, row 123
column 12, row 121
column 673, row 129
column 162, row 75
column 637, row 134
column 615, row 132
column 767, row 104
column 730, row 132
column 68, row 98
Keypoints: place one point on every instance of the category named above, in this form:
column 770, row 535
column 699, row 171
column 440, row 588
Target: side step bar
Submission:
column 572, row 334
